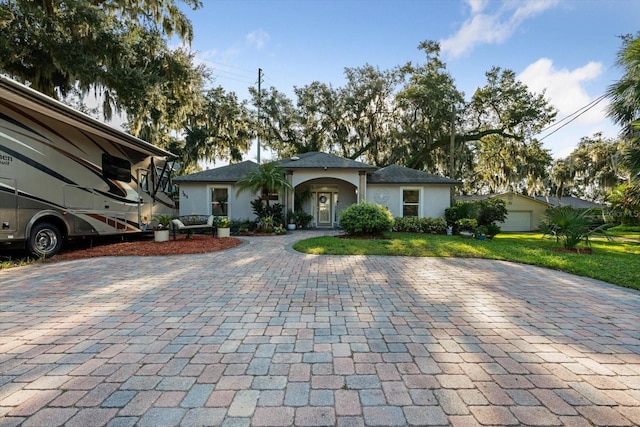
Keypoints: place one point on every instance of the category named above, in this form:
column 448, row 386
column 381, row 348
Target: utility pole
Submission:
column 259, row 105
column 452, row 146
column 452, row 143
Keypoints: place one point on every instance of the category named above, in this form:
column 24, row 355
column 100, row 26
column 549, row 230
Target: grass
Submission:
column 626, row 231
column 16, row 262
column 614, row 261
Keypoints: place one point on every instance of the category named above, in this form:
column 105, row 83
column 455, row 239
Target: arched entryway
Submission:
column 325, row 198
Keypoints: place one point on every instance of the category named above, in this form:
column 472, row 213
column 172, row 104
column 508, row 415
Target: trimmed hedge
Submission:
column 366, row 218
column 413, row 224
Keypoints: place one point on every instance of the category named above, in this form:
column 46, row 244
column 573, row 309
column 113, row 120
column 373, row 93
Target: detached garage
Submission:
column 524, row 212
column 517, row 221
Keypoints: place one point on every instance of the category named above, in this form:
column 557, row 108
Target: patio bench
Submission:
column 193, row 222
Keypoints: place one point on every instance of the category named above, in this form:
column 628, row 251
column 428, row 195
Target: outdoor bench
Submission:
column 192, row 222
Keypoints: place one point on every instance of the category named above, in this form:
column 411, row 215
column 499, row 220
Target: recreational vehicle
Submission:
column 64, row 174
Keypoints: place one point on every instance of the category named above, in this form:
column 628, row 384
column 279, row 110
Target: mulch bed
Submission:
column 197, row 244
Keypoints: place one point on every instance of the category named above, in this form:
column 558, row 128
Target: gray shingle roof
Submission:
column 474, row 197
column 229, row 173
column 318, row 160
column 570, row 201
column 395, row 174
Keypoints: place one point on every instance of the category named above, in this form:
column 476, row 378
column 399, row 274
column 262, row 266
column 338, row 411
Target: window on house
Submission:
column 410, row 202
column 220, row 201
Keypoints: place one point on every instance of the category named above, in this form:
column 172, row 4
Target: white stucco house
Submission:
column 332, row 182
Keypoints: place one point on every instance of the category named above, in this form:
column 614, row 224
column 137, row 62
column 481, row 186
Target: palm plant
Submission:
column 266, row 179
column 571, row 226
column 625, row 203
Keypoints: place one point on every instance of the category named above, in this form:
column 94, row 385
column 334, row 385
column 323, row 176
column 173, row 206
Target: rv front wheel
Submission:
column 45, row 240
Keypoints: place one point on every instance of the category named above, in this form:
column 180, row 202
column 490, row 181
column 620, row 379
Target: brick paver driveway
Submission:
column 260, row 335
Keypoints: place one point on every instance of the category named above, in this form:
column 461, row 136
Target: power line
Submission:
column 234, row 79
column 577, row 114
column 244, row 70
column 595, row 101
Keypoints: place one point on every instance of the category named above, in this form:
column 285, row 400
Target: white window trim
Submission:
column 210, row 189
column 420, row 199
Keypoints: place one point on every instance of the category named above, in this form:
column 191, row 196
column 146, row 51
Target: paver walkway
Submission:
column 261, row 336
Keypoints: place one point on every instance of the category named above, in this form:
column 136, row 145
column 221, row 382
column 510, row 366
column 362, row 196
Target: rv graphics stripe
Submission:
column 114, row 189
column 21, row 111
column 56, row 175
column 36, row 165
column 18, row 124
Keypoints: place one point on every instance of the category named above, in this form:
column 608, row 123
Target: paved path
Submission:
column 260, row 335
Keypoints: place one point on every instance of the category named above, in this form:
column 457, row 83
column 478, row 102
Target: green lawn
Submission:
column 626, row 231
column 615, row 261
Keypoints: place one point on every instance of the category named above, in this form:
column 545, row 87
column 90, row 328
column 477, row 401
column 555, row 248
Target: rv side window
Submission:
column 144, row 183
column 116, row 168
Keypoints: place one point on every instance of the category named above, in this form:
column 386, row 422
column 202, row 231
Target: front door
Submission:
column 324, row 210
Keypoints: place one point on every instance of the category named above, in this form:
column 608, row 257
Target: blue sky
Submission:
column 566, row 47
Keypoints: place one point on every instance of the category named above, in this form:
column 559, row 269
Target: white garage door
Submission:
column 517, row 221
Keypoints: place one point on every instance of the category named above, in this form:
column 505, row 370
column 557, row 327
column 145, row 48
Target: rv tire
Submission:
column 45, row 240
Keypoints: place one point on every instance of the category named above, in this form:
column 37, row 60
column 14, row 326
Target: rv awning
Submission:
column 25, row 97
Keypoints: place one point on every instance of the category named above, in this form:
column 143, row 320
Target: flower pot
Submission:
column 224, row 232
column 161, row 235
column 291, row 226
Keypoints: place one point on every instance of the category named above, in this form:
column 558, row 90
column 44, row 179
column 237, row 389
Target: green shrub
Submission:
column 491, row 211
column 493, row 230
column 468, row 224
column 433, row 225
column 275, row 211
column 460, row 211
column 407, row 224
column 485, row 212
column 366, row 218
column 413, row 224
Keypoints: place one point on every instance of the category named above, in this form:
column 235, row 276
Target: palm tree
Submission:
column 268, row 178
column 625, row 93
column 625, row 110
column 631, row 160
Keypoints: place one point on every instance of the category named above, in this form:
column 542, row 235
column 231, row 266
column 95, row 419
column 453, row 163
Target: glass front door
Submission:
column 324, row 210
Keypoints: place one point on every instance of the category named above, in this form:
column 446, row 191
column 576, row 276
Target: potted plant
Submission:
column 481, row 232
column 291, row 216
column 223, row 224
column 161, row 227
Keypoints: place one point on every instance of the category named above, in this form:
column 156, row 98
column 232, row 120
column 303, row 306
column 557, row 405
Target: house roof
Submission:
column 395, row 174
column 574, row 202
column 229, row 173
column 318, row 160
column 494, row 195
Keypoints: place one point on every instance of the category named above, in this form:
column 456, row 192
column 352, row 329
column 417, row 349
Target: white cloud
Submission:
column 477, row 6
column 258, row 38
column 492, row 27
column 564, row 88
